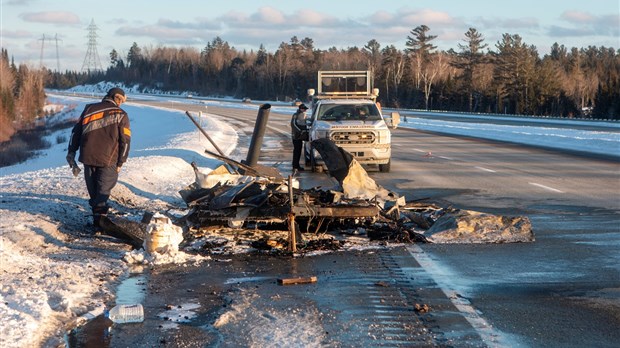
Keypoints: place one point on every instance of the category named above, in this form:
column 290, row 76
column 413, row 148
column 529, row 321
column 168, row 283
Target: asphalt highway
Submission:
column 563, row 290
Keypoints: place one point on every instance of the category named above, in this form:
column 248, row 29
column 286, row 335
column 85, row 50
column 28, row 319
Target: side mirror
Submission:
column 393, row 120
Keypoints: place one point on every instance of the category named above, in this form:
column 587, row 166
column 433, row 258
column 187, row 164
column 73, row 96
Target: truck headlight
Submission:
column 385, row 137
column 320, row 134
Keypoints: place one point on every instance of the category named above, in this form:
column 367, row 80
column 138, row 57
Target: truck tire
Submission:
column 385, row 168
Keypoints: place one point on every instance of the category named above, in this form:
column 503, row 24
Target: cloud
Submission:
column 198, row 31
column 155, row 32
column 19, row 2
column 168, row 32
column 314, row 19
column 16, row 34
column 268, row 15
column 427, row 17
column 507, row 24
column 577, row 17
column 117, row 21
column 267, row 18
column 52, row 17
column 558, row 31
column 585, row 24
column 380, row 18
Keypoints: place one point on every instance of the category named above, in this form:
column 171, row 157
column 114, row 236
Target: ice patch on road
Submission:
column 269, row 327
column 183, row 313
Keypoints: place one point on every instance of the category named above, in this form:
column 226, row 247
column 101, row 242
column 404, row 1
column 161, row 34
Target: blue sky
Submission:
column 245, row 24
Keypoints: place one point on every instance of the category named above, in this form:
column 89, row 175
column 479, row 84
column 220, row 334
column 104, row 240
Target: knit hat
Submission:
column 114, row 91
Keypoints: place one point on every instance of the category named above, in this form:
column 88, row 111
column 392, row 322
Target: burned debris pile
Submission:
column 237, row 201
column 355, row 205
column 254, row 205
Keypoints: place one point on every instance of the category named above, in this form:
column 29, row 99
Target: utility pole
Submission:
column 56, row 39
column 91, row 61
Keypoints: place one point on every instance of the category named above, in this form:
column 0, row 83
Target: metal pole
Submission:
column 257, row 135
column 204, row 133
column 291, row 217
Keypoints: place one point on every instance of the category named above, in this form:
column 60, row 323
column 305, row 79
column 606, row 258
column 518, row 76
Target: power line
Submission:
column 55, row 39
column 91, row 61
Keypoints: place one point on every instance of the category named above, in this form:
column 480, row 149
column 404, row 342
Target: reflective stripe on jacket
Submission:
column 102, row 134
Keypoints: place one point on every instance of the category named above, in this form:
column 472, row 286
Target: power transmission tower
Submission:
column 91, row 61
column 43, row 39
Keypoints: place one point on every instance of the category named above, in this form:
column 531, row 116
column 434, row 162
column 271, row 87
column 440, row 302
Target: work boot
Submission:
column 98, row 212
column 91, row 230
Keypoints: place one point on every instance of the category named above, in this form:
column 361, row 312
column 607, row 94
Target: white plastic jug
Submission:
column 121, row 314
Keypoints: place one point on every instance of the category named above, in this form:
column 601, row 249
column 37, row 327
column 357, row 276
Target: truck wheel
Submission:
column 385, row 168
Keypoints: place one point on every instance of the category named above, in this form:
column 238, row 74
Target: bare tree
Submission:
column 436, row 69
column 582, row 82
column 394, row 67
column 29, row 104
column 7, row 101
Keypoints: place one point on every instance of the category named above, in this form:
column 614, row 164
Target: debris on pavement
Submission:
column 254, row 204
column 162, row 236
column 466, row 226
column 356, row 206
column 422, row 308
column 124, row 229
column 298, row 280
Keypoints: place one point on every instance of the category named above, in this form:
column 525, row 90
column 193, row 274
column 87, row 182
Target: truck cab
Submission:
column 345, row 111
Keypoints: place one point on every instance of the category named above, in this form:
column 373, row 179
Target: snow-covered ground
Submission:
column 52, row 274
column 559, row 136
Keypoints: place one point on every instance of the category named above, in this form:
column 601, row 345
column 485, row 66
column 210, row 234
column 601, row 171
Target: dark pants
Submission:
column 297, row 147
column 99, row 182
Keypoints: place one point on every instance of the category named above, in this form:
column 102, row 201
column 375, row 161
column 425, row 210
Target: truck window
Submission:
column 349, row 112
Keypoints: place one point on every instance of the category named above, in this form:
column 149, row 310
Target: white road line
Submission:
column 546, row 187
column 445, row 280
column 418, row 150
column 486, row 169
column 446, row 158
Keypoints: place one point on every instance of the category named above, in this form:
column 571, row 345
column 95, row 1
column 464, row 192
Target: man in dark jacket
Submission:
column 299, row 133
column 102, row 135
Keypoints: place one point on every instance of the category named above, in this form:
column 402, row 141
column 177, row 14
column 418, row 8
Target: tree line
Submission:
column 22, row 96
column 509, row 78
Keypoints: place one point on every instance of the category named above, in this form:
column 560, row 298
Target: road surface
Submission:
column 563, row 290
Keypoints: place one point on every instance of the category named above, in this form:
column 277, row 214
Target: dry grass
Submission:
column 25, row 143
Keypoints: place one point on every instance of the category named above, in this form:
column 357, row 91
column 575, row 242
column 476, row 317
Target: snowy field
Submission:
column 52, row 274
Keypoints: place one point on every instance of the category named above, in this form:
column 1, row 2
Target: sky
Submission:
column 53, row 277
column 32, row 29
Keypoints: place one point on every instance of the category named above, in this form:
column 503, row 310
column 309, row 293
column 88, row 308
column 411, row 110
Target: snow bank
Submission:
column 52, row 271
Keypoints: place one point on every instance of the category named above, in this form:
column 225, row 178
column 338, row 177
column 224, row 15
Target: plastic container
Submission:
column 157, row 241
column 162, row 236
column 121, row 314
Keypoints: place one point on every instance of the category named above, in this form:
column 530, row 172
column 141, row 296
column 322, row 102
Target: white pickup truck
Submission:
column 344, row 109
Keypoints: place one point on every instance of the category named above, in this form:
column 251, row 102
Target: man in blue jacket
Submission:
column 102, row 135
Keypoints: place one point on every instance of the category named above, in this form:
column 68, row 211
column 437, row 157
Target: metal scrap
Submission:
column 251, row 195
